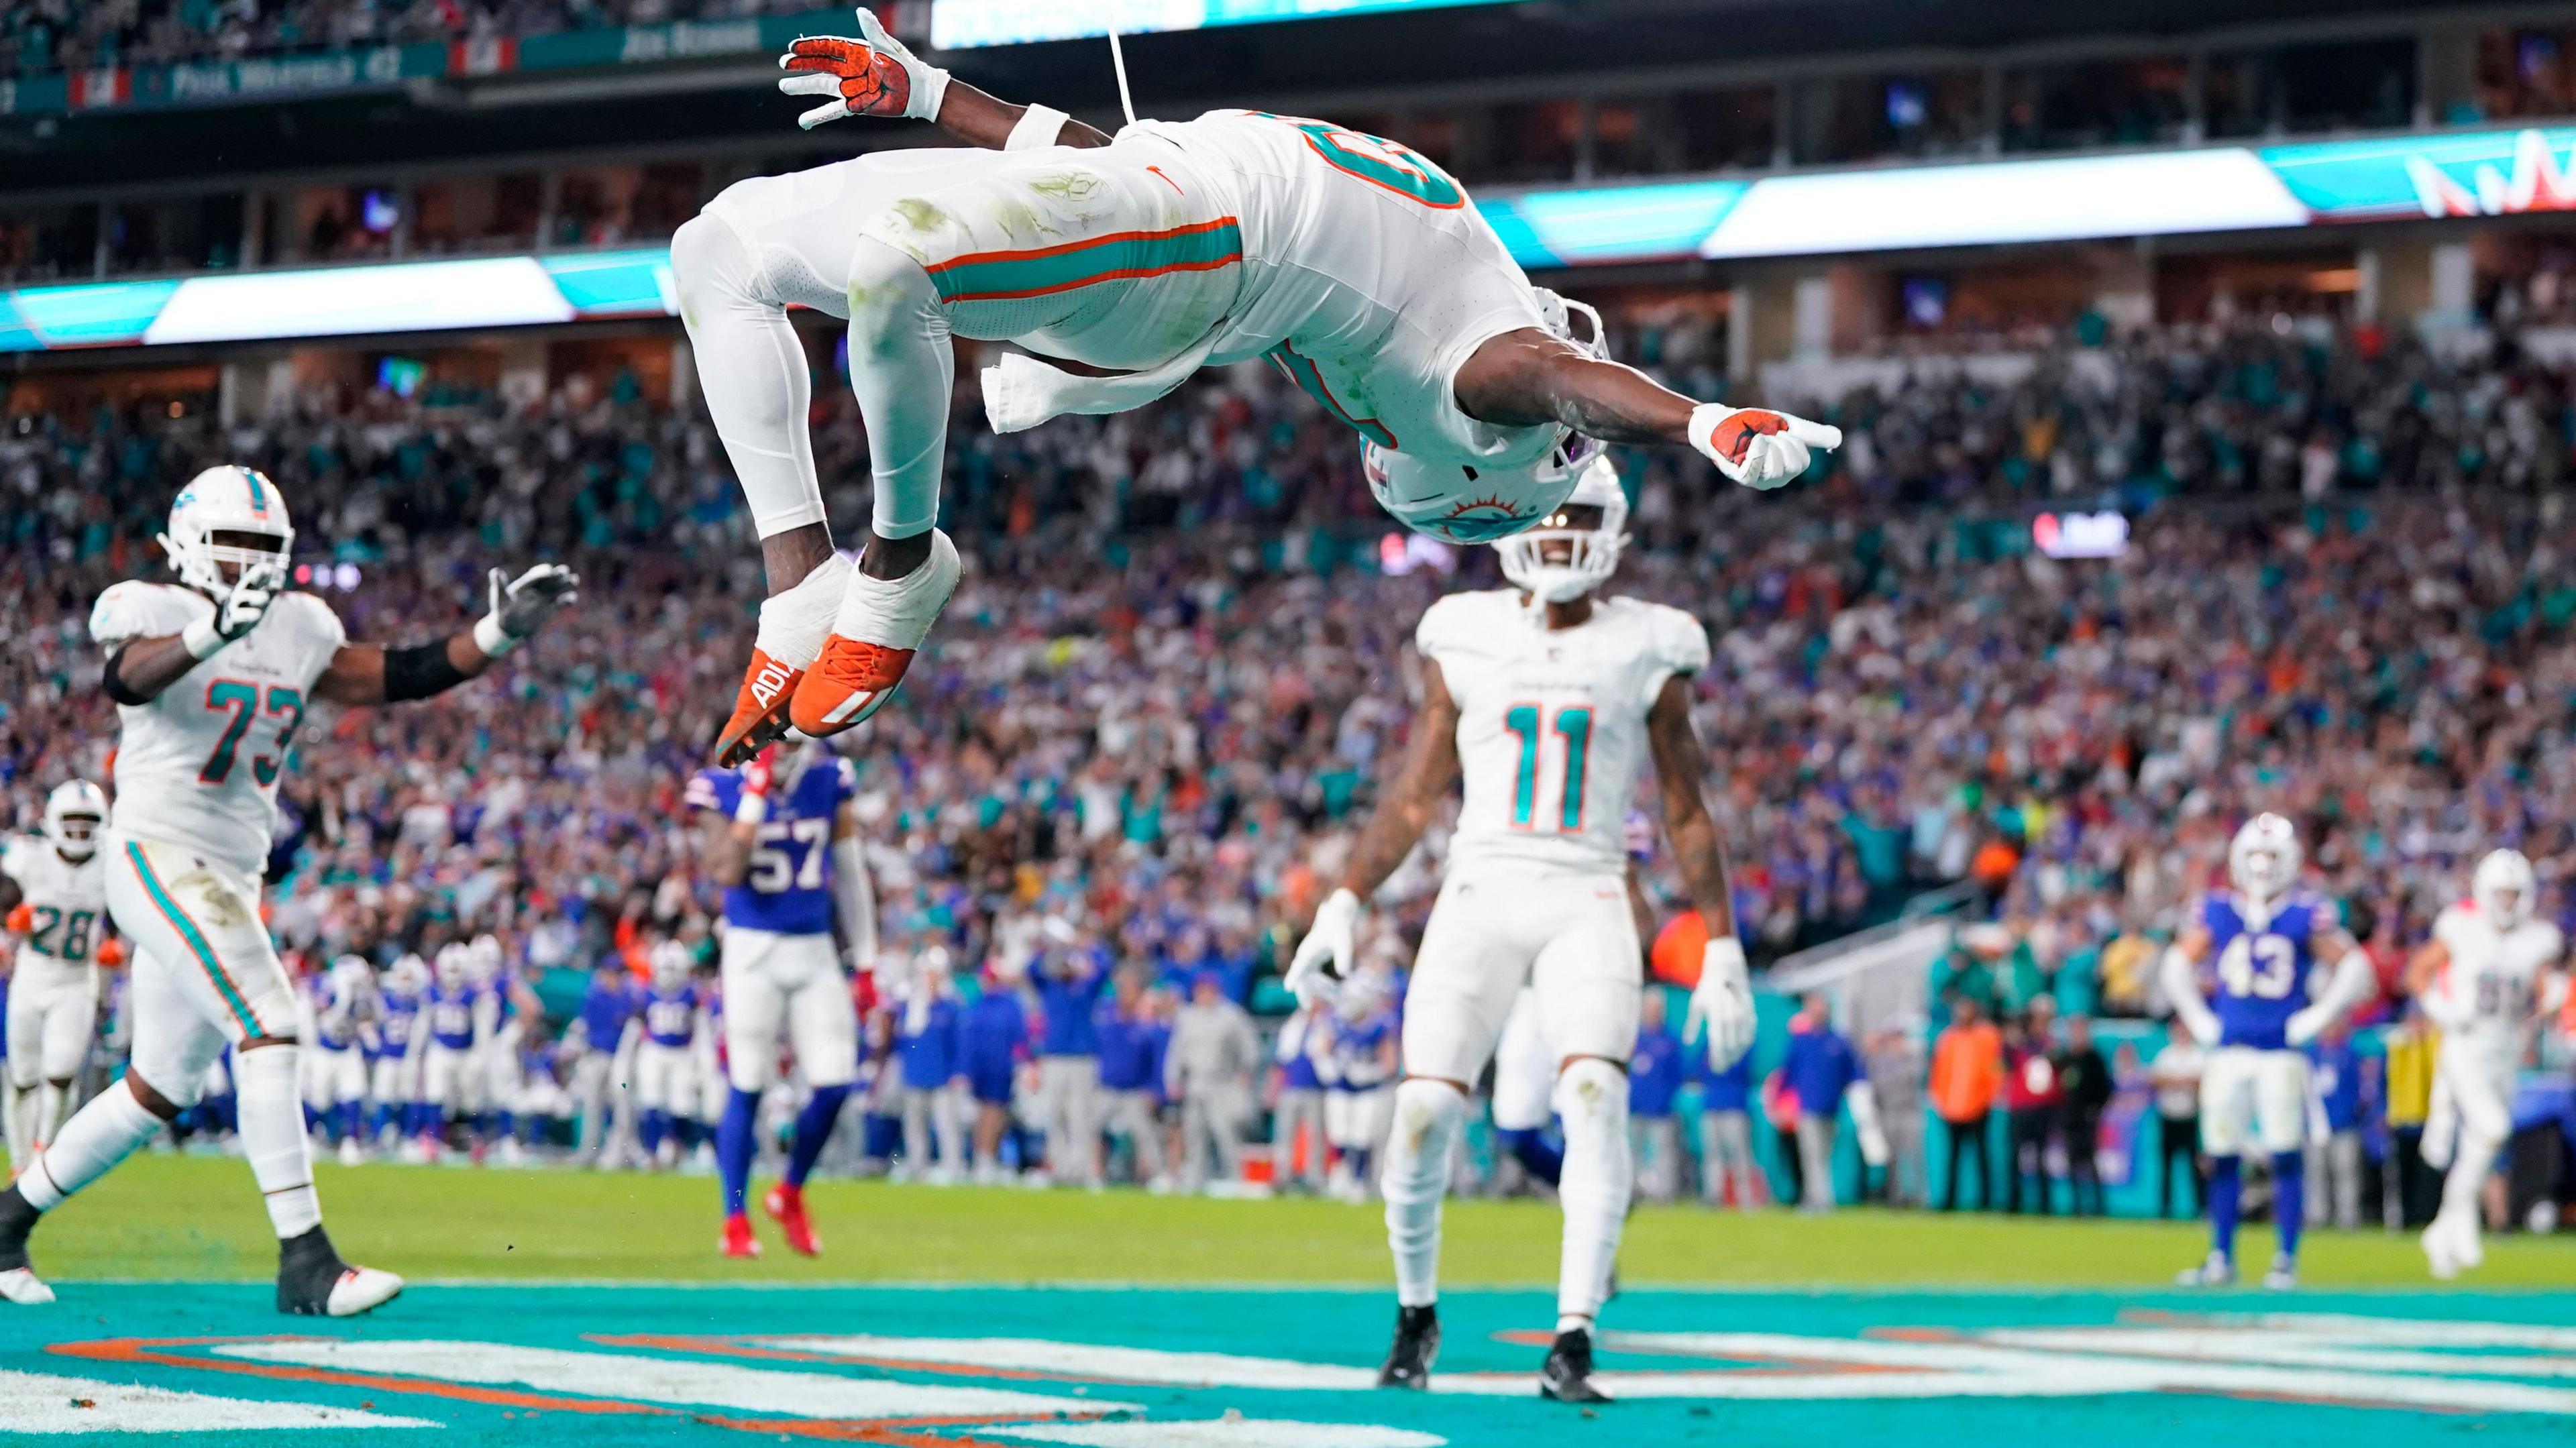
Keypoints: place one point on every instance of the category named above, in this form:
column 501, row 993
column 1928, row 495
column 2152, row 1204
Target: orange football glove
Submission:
column 22, row 919
column 873, row 75
column 111, row 952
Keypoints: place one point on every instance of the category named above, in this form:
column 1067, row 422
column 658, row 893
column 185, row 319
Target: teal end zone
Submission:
column 613, row 1365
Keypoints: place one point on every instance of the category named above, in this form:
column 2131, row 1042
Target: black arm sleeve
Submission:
column 420, row 671
column 114, row 682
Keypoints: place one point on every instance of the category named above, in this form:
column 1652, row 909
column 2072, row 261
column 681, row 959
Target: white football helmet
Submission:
column 239, row 506
column 350, row 974
column 409, row 975
column 1473, row 503
column 2503, row 889
column 483, row 959
column 1591, row 548
column 454, row 965
column 671, row 965
column 2263, row 860
column 74, row 814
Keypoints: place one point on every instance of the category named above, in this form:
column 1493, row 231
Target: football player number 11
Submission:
column 1533, row 726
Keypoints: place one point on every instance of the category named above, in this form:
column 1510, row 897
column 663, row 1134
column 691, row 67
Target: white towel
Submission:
column 1020, row 391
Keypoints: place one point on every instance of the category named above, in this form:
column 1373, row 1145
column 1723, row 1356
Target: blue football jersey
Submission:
column 2262, row 967
column 398, row 1012
column 1356, row 1045
column 451, row 1015
column 671, row 1016
column 788, row 888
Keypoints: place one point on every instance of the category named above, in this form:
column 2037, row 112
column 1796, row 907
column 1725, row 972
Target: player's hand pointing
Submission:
column 1724, row 1000
column 1756, row 447
column 1323, row 958
column 873, row 75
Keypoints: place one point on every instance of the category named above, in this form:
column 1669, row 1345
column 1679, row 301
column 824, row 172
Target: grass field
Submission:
column 198, row 1219
column 591, row 1311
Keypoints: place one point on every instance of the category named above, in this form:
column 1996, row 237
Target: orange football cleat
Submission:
column 738, row 1241
column 851, row 682
column 786, row 1206
column 759, row 710
column 880, row 626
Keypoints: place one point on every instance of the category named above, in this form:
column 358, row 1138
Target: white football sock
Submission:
column 902, row 369
column 15, row 1104
column 897, row 613
column 1429, row 1118
column 106, row 1131
column 49, row 1111
column 272, row 1137
column 793, row 624
column 1592, row 1100
column 2464, row 1186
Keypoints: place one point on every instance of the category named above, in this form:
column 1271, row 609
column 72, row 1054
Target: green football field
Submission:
column 567, row 1308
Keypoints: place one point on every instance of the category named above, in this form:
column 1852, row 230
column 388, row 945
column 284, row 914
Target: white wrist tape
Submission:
column 491, row 638
column 1039, row 126
column 201, row 638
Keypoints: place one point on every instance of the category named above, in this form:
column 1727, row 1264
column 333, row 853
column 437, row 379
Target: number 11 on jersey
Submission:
column 1572, row 724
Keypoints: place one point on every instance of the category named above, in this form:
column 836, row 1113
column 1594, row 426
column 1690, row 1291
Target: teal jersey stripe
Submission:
column 1006, row 275
column 188, row 932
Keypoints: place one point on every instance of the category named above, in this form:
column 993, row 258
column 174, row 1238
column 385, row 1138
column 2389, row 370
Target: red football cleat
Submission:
column 759, row 709
column 786, row 1206
column 738, row 1241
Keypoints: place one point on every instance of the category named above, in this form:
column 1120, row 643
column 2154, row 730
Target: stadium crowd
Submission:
column 40, row 35
column 1149, row 722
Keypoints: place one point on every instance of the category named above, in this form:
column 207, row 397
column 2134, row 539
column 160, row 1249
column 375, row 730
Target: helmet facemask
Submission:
column 2503, row 889
column 74, row 814
column 2263, row 860
column 1575, row 549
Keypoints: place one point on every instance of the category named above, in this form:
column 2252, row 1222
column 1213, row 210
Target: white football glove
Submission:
column 1757, row 447
column 521, row 605
column 239, row 613
column 2306, row 1025
column 1723, row 1001
column 1323, row 958
column 873, row 75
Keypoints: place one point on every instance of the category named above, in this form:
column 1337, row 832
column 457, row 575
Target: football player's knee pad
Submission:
column 708, row 257
column 887, row 289
column 1429, row 1116
column 1591, row 1092
column 1427, row 1110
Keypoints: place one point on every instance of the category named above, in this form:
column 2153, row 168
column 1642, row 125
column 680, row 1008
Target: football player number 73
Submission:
column 244, row 701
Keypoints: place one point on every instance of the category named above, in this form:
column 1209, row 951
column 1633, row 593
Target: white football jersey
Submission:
column 1370, row 278
column 1552, row 723
column 66, row 904
column 199, row 765
column 1368, row 274
column 2493, row 978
